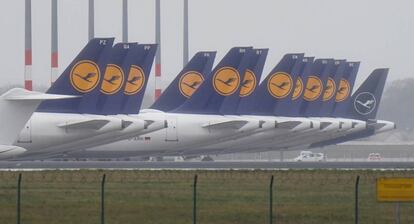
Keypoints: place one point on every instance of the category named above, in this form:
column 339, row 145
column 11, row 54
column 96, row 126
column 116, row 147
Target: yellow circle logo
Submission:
column 85, row 76
column 135, row 81
column 189, row 83
column 297, row 92
column 344, row 90
column 313, row 88
column 329, row 90
column 280, row 85
column 226, row 81
column 112, row 80
column 249, row 83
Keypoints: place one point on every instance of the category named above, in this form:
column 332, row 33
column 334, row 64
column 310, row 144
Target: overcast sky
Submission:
column 379, row 33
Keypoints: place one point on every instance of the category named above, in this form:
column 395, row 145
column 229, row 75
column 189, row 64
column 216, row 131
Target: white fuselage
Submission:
column 184, row 132
column 187, row 133
column 46, row 131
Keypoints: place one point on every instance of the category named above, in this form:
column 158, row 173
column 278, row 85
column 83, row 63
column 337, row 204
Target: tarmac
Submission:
column 216, row 165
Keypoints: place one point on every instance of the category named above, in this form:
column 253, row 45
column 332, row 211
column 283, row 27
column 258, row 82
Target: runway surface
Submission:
column 201, row 165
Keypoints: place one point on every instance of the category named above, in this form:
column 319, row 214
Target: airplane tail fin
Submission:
column 101, row 99
column 315, row 86
column 291, row 106
column 366, row 100
column 328, row 96
column 344, row 90
column 252, row 75
column 224, row 81
column 17, row 106
column 187, row 82
column 139, row 69
column 275, row 87
column 82, row 76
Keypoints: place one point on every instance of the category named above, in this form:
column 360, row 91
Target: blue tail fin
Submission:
column 138, row 73
column 291, row 108
column 328, row 96
column 248, row 90
column 252, row 76
column 98, row 101
column 81, row 77
column 314, row 91
column 313, row 86
column 366, row 100
column 344, row 90
column 224, row 81
column 134, row 79
column 276, row 86
column 187, row 81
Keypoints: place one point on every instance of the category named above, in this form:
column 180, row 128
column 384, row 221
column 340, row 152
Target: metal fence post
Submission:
column 195, row 200
column 271, row 200
column 397, row 213
column 19, row 186
column 356, row 200
column 103, row 199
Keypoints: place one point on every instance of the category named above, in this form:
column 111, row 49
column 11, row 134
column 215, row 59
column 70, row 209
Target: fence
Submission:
column 299, row 196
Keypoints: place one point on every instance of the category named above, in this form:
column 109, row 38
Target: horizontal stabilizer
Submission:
column 148, row 123
column 233, row 124
column 126, row 124
column 7, row 151
column 376, row 126
column 22, row 94
column 94, row 124
column 325, row 124
column 288, row 124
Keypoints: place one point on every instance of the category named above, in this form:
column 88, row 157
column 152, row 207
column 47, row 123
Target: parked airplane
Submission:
column 125, row 104
column 175, row 137
column 198, row 121
column 17, row 106
column 297, row 105
column 369, row 94
column 58, row 125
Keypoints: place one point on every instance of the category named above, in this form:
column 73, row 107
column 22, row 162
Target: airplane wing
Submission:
column 94, row 124
column 233, row 124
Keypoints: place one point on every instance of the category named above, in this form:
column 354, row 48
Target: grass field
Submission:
column 301, row 196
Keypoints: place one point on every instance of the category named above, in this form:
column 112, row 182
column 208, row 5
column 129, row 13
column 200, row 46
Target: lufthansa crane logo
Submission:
column 249, row 83
column 344, row 90
column 135, row 81
column 280, row 85
column 113, row 79
column 85, row 76
column 226, row 81
column 190, row 82
column 313, row 88
column 365, row 103
column 329, row 90
column 297, row 92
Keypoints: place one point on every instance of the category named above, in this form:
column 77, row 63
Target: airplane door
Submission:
column 25, row 135
column 171, row 130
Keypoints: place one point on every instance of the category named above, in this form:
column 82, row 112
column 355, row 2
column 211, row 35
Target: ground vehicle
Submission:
column 308, row 156
column 374, row 157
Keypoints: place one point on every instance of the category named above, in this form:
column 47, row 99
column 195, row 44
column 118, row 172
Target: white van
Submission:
column 308, row 156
